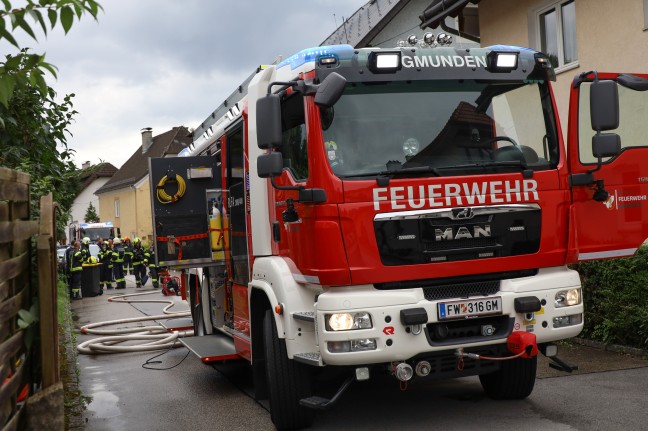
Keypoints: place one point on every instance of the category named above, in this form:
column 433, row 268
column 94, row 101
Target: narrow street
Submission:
column 172, row 390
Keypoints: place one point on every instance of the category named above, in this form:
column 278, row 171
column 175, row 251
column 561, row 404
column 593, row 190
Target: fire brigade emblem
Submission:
column 609, row 203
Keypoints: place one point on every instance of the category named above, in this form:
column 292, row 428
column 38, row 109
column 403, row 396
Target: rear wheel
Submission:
column 513, row 381
column 288, row 381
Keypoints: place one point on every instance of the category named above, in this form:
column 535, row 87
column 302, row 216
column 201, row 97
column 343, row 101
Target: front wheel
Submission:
column 288, row 381
column 513, row 381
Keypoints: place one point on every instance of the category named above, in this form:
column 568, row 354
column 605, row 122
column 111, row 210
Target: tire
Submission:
column 288, row 381
column 513, row 381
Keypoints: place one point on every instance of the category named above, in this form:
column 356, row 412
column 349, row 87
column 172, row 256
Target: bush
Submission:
column 616, row 300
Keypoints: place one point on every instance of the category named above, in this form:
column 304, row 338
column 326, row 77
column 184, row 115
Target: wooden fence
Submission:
column 35, row 367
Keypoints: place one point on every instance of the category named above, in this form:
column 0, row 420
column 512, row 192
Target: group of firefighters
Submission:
column 117, row 258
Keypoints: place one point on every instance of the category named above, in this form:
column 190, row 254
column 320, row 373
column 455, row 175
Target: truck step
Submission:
column 310, row 358
column 177, row 324
column 306, row 316
column 321, row 403
column 317, row 403
column 560, row 365
column 211, row 348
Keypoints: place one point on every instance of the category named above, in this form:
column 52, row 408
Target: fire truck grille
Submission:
column 463, row 290
column 457, row 234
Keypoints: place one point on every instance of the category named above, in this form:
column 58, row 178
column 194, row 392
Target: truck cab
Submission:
column 411, row 210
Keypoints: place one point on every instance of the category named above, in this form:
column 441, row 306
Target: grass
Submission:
column 74, row 400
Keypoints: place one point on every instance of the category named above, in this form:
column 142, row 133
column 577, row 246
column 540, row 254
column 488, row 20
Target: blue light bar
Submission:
column 342, row 52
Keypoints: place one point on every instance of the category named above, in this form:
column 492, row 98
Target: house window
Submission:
column 116, row 208
column 556, row 26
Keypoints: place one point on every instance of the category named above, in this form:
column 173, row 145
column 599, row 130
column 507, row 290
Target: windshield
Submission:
column 94, row 233
column 443, row 128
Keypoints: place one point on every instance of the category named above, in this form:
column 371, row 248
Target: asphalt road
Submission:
column 608, row 392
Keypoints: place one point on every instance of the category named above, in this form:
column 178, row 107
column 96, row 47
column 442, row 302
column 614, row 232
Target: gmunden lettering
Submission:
column 443, row 61
column 445, row 195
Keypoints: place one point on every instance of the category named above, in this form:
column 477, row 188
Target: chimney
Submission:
column 85, row 165
column 147, row 139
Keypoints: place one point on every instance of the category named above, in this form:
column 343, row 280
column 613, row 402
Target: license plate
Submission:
column 470, row 308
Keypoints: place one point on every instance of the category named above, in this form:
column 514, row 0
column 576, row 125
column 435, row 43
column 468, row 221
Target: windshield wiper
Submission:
column 526, row 171
column 399, row 171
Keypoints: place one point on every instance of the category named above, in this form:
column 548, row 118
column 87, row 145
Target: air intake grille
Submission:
column 462, row 290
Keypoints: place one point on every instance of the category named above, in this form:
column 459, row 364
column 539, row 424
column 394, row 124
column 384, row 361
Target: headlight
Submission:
column 348, row 321
column 567, row 298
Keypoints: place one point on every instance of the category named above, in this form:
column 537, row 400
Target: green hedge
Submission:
column 616, row 299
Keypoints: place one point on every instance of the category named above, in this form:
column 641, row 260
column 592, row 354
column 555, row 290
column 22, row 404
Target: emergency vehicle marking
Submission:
column 615, row 202
column 443, row 61
column 439, row 195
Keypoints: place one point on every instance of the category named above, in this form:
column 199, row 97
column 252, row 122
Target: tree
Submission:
column 33, row 125
column 91, row 215
column 25, row 68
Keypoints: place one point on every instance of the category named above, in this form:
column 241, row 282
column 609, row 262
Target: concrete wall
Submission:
column 143, row 216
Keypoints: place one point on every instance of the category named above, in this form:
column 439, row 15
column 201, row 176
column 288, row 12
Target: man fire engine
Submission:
column 437, row 246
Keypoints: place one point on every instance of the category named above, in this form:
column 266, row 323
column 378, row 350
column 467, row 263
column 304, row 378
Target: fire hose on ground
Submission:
column 156, row 337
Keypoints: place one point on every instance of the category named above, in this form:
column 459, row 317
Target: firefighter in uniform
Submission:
column 76, row 268
column 139, row 268
column 105, row 258
column 128, row 256
column 150, row 261
column 118, row 263
column 85, row 249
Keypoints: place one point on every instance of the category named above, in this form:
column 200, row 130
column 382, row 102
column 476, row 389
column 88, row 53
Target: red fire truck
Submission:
column 350, row 211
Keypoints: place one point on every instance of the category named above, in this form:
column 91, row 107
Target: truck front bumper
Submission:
column 391, row 335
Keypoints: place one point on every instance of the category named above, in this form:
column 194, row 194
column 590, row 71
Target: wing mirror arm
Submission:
column 604, row 112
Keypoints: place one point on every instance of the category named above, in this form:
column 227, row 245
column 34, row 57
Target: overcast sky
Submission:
column 165, row 63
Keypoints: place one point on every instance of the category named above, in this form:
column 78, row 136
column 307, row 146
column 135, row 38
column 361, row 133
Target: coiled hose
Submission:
column 157, row 337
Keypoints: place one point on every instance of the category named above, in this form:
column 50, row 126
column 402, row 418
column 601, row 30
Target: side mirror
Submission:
column 268, row 121
column 269, row 165
column 604, row 105
column 606, row 145
column 330, row 90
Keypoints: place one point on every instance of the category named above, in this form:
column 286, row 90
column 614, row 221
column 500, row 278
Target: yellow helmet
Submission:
column 136, row 240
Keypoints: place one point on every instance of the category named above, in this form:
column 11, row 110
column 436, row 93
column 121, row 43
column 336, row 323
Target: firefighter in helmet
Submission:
column 128, row 255
column 105, row 272
column 85, row 249
column 118, row 263
column 150, row 262
column 76, row 268
column 139, row 268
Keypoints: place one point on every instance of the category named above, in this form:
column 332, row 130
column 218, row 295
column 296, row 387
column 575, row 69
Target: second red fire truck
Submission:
column 411, row 210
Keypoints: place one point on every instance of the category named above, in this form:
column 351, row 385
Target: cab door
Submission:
column 609, row 209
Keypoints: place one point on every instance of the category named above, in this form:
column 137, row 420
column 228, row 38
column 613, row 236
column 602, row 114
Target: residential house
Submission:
column 126, row 198
column 92, row 179
column 385, row 23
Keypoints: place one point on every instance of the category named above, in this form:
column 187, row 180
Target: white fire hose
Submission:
column 158, row 337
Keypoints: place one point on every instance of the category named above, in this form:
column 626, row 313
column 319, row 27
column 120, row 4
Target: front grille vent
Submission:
column 462, row 290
